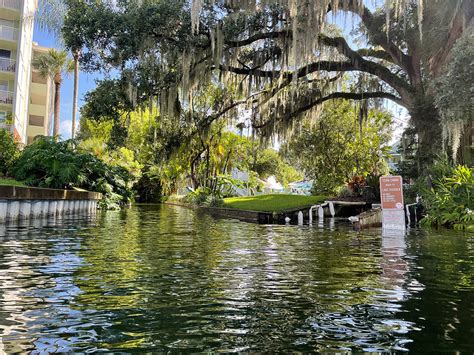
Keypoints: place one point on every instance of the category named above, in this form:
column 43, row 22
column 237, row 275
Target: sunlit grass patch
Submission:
column 272, row 203
column 10, row 182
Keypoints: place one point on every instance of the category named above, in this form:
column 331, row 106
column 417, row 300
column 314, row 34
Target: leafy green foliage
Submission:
column 337, row 147
column 450, row 202
column 46, row 163
column 8, row 151
column 269, row 162
column 106, row 102
column 454, row 88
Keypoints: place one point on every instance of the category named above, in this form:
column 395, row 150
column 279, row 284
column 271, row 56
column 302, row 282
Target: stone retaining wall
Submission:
column 31, row 202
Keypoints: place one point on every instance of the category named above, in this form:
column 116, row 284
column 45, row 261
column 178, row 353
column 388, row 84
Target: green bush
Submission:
column 8, row 151
column 214, row 201
column 198, row 196
column 450, row 202
column 46, row 163
column 330, row 185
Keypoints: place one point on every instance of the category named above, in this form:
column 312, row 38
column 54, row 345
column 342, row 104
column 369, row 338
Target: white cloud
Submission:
column 65, row 129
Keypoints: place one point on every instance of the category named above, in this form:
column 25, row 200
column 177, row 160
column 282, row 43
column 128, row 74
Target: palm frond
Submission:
column 50, row 16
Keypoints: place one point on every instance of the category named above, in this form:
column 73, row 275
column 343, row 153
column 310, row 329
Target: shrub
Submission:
column 356, row 184
column 450, row 202
column 198, row 196
column 330, row 184
column 8, row 151
column 46, row 163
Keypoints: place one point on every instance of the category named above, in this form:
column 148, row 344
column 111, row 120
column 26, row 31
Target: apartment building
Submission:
column 25, row 97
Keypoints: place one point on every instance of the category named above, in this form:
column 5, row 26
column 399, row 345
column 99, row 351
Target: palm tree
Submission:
column 53, row 64
column 75, row 54
column 51, row 15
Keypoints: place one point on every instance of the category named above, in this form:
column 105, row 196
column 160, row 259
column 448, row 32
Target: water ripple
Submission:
column 160, row 278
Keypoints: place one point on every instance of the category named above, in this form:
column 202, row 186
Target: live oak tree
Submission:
column 284, row 56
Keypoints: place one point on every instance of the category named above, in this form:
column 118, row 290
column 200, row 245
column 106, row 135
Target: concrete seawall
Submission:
column 30, row 202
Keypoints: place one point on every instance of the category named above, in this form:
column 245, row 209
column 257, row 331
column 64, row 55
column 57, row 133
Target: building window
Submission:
column 5, row 53
column 37, row 78
column 36, row 120
column 3, row 116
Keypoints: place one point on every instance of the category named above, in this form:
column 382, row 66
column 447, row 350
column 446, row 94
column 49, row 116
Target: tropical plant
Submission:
column 8, row 151
column 450, row 202
column 53, row 65
column 47, row 163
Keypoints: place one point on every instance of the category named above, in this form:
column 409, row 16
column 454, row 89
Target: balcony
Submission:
column 11, row 4
column 7, row 64
column 6, row 97
column 8, row 33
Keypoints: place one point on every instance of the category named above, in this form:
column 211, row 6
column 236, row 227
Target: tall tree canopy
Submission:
column 283, row 57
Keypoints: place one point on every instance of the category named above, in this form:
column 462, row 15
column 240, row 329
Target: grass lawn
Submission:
column 10, row 182
column 272, row 203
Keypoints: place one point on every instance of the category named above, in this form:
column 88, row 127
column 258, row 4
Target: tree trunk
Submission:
column 426, row 121
column 76, row 55
column 57, row 99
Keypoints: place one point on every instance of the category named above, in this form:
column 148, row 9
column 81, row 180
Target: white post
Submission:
column 311, row 213
column 300, row 218
column 25, row 209
column 321, row 212
column 331, row 208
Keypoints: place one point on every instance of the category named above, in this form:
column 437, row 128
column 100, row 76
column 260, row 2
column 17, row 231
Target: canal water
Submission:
column 165, row 278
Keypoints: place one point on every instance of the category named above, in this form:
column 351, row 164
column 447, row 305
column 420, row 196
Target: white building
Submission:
column 25, row 97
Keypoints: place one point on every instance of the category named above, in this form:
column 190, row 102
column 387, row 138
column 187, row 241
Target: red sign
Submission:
column 391, row 192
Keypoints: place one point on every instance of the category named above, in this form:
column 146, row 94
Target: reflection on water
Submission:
column 166, row 278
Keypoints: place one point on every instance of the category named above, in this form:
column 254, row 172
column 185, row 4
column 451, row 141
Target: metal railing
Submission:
column 7, row 64
column 8, row 33
column 11, row 4
column 6, row 97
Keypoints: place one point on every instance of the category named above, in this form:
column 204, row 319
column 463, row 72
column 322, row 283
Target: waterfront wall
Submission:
column 29, row 202
column 369, row 219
